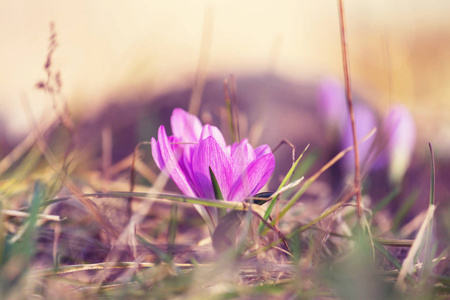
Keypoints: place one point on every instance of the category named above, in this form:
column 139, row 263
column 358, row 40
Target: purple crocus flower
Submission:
column 187, row 155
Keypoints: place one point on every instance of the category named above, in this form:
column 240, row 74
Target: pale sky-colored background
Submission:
column 399, row 50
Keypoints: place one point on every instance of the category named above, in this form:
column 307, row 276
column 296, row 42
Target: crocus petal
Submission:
column 262, row 150
column 156, row 153
column 236, row 144
column 210, row 154
column 177, row 146
column 186, row 164
column 185, row 126
column 241, row 157
column 171, row 165
column 214, row 132
column 253, row 178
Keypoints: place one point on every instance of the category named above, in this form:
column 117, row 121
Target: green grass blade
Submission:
column 20, row 248
column 387, row 254
column 163, row 256
column 403, row 210
column 160, row 197
column 428, row 250
column 433, row 174
column 283, row 183
column 2, row 235
column 215, row 184
column 386, row 200
column 308, row 162
column 173, row 228
column 217, row 192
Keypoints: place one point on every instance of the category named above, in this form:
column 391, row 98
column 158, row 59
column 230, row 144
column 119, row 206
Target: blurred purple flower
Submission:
column 365, row 121
column 401, row 131
column 187, row 155
column 332, row 105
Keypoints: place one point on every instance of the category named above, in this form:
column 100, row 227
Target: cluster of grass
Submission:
column 64, row 235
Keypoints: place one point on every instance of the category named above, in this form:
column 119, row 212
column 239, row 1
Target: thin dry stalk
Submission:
column 133, row 175
column 52, row 86
column 106, row 155
column 285, row 141
column 234, row 105
column 57, row 234
column 202, row 65
column 139, row 166
column 350, row 105
column 101, row 266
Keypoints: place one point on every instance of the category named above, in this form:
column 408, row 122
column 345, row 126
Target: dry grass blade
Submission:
column 141, row 167
column 100, row 266
column 394, row 242
column 287, row 187
column 21, row 214
column 25, row 145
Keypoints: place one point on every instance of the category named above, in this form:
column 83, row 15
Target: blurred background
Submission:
column 399, row 51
